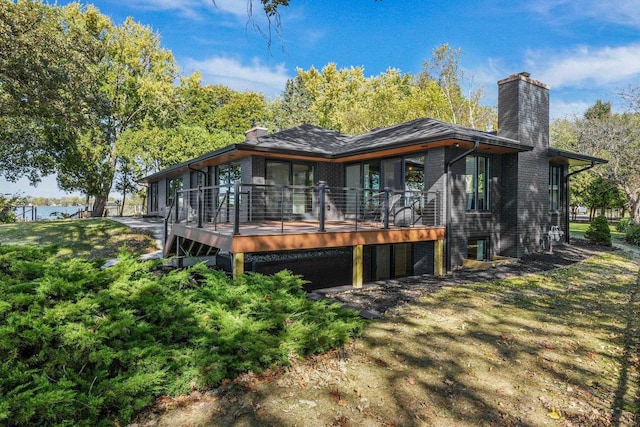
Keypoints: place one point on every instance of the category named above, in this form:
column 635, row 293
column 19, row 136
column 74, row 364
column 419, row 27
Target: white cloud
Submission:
column 586, row 66
column 195, row 8
column 231, row 72
column 620, row 12
column 567, row 110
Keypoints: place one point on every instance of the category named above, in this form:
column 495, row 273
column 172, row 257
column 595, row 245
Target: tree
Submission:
column 346, row 100
column 459, row 107
column 48, row 88
column 136, row 78
column 615, row 137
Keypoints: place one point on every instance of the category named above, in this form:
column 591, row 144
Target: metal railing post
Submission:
column 236, row 208
column 282, row 210
column 199, row 202
column 321, row 200
column 386, row 207
column 177, row 205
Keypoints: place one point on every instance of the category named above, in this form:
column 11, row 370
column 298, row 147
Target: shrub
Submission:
column 598, row 231
column 82, row 346
column 623, row 224
column 632, row 234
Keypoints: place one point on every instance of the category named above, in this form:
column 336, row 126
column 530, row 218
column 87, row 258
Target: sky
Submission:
column 583, row 49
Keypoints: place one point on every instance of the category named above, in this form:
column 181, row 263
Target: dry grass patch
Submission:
column 558, row 349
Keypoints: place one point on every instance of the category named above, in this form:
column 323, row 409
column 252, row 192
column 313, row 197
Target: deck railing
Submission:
column 240, row 206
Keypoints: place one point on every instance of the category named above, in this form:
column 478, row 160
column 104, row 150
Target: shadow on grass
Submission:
column 629, row 360
column 513, row 352
column 94, row 239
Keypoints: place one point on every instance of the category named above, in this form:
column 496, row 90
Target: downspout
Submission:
column 566, row 203
column 199, row 200
column 447, row 229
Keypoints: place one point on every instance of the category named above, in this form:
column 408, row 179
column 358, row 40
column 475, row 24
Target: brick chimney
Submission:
column 523, row 110
column 255, row 133
column 523, row 115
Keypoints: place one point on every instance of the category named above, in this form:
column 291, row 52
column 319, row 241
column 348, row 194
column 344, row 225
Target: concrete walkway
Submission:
column 155, row 225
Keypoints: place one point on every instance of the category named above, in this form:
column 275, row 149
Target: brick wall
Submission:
column 523, row 114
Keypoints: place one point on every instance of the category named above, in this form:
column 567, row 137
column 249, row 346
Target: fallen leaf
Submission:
column 554, row 414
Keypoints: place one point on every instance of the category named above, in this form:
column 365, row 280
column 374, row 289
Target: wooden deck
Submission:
column 294, row 235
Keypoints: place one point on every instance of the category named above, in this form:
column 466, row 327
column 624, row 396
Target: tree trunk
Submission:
column 124, row 197
column 99, row 206
column 635, row 210
column 86, row 206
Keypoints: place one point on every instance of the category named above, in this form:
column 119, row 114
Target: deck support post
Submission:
column 438, row 258
column 357, row 266
column 238, row 264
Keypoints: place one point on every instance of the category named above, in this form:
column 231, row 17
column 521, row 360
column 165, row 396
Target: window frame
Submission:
column 555, row 189
column 173, row 184
column 153, row 196
column 486, row 246
column 471, row 203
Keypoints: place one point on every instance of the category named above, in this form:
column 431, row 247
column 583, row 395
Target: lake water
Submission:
column 45, row 212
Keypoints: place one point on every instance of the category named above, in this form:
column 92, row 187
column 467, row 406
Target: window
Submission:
column 299, row 200
column 477, row 183
column 228, row 174
column 478, row 249
column 153, row 197
column 173, row 185
column 555, row 179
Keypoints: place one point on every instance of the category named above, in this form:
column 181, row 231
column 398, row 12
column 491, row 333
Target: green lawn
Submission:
column 577, row 229
column 84, row 238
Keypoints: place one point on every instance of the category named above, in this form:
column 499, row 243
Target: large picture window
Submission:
column 173, row 185
column 555, row 181
column 153, row 197
column 477, row 183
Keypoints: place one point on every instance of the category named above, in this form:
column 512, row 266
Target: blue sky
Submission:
column 585, row 50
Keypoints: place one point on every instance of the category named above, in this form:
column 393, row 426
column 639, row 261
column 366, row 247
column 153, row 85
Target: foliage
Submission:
column 623, row 225
column 82, row 345
column 598, row 231
column 632, row 234
column 346, row 101
column 47, row 82
column 611, row 136
column 7, row 214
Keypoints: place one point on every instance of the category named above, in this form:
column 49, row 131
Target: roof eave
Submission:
column 185, row 165
column 573, row 159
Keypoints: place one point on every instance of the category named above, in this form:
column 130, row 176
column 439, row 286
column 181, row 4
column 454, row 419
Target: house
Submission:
column 416, row 198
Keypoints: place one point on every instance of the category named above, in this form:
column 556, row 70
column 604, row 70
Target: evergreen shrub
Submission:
column 632, row 235
column 598, row 231
column 81, row 345
column 623, row 224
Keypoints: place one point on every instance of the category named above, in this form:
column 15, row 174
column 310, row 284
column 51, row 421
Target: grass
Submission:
column 577, row 229
column 92, row 239
column 561, row 348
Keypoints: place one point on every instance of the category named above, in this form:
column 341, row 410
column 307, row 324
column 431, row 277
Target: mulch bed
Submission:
column 375, row 299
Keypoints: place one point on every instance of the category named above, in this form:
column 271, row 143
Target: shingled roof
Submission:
column 311, row 139
column 315, row 141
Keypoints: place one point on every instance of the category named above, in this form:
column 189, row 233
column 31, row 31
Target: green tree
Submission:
column 136, row 76
column 346, row 100
column 615, row 137
column 461, row 98
column 48, row 89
